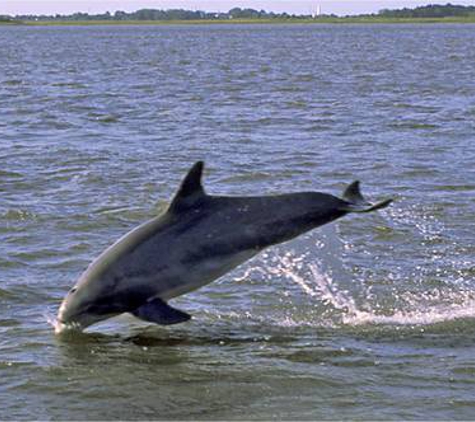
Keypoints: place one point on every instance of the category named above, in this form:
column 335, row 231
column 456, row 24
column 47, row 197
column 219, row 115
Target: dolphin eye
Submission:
column 73, row 290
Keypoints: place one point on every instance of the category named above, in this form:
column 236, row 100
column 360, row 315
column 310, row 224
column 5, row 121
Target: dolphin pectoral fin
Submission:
column 161, row 313
column 356, row 202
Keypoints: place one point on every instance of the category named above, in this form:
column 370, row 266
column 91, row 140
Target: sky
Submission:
column 338, row 7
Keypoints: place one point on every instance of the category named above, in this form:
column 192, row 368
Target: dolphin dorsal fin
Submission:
column 191, row 190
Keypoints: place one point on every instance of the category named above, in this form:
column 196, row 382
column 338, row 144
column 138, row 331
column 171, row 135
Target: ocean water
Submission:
column 372, row 317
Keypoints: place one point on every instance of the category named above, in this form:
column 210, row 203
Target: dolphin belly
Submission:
column 201, row 274
column 170, row 264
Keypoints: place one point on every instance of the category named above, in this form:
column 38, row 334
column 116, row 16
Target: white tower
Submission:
column 317, row 11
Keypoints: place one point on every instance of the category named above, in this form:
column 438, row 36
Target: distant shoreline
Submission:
column 329, row 20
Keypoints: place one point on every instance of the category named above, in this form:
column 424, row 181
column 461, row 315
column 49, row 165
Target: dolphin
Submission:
column 198, row 239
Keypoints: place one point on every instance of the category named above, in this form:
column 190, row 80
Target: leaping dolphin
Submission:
column 198, row 239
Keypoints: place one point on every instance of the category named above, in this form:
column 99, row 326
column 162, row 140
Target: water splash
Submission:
column 53, row 321
column 360, row 306
column 426, row 315
column 59, row 327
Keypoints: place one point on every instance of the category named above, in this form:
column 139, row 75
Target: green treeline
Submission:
column 430, row 11
column 6, row 19
column 163, row 15
column 247, row 15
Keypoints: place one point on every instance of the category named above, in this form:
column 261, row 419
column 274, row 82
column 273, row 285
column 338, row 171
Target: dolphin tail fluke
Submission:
column 161, row 313
column 356, row 202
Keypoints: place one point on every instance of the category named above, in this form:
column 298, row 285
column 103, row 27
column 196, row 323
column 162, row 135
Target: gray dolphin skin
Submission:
column 198, row 239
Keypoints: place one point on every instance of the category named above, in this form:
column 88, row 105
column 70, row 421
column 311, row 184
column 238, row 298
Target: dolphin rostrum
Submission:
column 197, row 240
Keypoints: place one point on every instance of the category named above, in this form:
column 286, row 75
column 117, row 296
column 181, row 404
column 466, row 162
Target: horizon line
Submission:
column 317, row 10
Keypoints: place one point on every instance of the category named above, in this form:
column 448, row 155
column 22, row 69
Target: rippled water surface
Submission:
column 368, row 318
